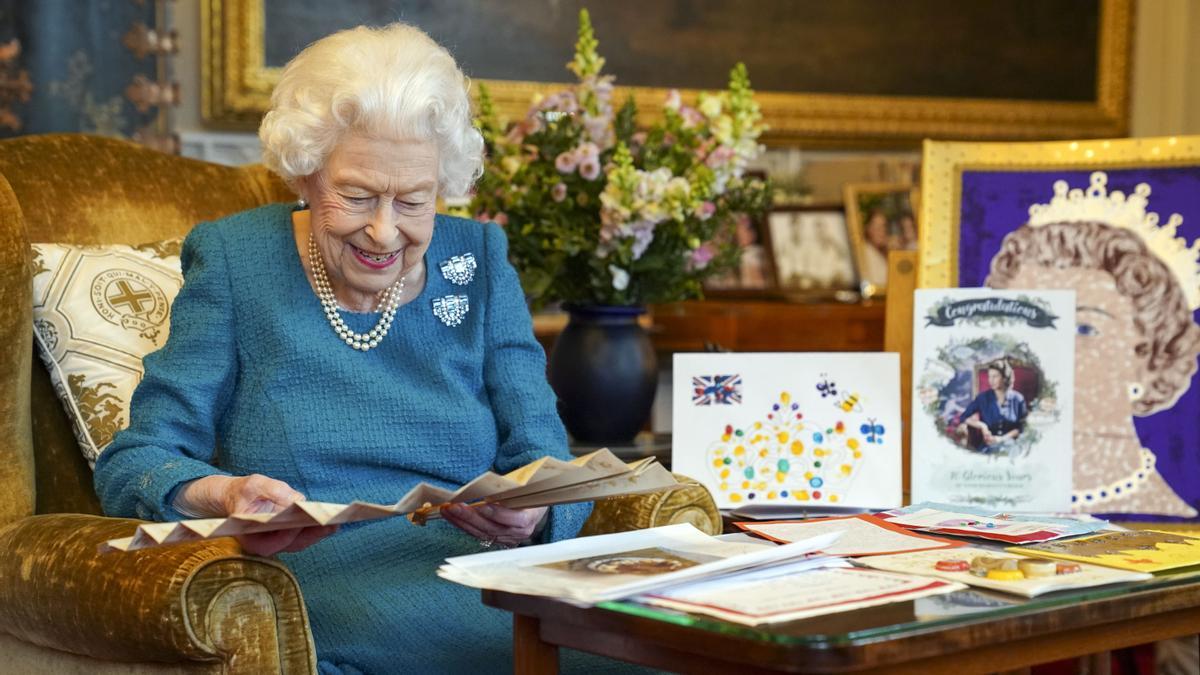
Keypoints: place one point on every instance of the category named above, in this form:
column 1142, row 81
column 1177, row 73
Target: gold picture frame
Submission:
column 236, row 87
column 944, row 163
column 984, row 207
column 896, row 200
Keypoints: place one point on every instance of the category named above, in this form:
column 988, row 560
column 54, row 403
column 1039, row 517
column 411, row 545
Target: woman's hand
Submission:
column 492, row 524
column 220, row 496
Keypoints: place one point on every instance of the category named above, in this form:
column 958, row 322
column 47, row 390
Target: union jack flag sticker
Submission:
column 716, row 389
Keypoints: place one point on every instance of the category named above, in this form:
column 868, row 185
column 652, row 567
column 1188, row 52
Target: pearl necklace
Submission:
column 388, row 301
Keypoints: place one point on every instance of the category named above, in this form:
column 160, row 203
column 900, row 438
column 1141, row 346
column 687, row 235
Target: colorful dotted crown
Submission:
column 790, row 457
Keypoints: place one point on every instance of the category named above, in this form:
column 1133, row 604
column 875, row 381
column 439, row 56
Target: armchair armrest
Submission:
column 690, row 502
column 191, row 602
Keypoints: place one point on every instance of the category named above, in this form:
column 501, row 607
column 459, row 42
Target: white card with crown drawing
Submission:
column 993, row 385
column 800, row 429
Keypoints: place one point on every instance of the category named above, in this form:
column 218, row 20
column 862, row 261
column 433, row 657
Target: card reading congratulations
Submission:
column 993, row 384
column 807, row 430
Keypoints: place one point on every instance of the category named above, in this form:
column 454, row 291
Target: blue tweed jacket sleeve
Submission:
column 527, row 422
column 171, row 434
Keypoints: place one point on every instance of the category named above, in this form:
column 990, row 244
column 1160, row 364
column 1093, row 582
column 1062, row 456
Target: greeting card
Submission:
column 1138, row 550
column 798, row 429
column 993, row 381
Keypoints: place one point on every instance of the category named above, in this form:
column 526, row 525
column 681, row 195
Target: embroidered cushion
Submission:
column 97, row 310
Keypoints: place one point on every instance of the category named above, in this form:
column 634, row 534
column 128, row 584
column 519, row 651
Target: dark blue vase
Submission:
column 604, row 371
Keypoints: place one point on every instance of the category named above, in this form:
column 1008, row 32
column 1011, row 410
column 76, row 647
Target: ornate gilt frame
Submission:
column 236, row 88
column 944, row 163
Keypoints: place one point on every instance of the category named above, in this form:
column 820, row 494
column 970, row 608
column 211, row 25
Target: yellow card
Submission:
column 1138, row 550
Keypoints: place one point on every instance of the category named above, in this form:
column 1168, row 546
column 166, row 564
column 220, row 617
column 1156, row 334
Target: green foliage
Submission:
column 601, row 211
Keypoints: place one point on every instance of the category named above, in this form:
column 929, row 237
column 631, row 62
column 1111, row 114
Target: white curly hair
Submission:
column 391, row 82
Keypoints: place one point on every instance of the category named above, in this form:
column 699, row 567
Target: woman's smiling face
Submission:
column 373, row 206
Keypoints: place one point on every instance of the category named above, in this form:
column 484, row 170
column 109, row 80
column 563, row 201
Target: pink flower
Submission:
column 701, row 256
column 673, row 100
column 588, row 150
column 597, row 129
column 691, row 117
column 705, row 210
column 589, row 168
column 720, row 156
column 558, row 192
column 566, row 162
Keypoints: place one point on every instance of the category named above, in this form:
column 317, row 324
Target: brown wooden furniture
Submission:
column 975, row 632
column 898, row 337
column 752, row 326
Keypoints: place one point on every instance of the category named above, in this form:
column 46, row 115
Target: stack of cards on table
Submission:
column 543, row 482
column 966, row 521
column 680, row 567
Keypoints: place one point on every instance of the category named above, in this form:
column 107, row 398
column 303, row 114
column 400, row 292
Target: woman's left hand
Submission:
column 492, row 524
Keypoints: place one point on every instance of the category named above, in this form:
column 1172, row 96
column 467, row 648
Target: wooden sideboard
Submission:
column 752, row 326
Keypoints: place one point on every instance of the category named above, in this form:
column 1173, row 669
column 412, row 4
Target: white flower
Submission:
column 710, row 106
column 620, row 277
column 674, row 100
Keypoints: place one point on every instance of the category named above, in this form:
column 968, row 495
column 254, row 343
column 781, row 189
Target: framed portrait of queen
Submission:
column 1118, row 221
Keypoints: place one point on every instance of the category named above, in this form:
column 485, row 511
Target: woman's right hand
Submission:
column 220, row 496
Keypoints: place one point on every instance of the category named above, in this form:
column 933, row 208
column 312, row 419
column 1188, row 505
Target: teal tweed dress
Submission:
column 253, row 369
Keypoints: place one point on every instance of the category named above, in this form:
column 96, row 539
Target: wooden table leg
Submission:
column 531, row 656
column 1099, row 663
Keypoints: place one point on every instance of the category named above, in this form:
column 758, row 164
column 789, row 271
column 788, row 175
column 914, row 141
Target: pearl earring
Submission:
column 1136, row 391
column 302, row 203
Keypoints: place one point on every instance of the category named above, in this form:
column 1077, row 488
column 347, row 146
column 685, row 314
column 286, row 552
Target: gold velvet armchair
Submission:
column 194, row 608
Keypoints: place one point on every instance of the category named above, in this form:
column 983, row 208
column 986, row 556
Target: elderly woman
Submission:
column 347, row 347
column 998, row 413
column 1135, row 352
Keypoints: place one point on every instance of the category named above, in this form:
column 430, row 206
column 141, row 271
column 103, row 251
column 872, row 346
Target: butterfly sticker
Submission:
column 826, row 386
column 873, row 431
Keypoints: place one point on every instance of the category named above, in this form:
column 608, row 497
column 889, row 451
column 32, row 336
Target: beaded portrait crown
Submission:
column 1097, row 204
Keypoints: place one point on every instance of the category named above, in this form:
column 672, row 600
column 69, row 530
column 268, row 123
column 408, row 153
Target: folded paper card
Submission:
column 789, row 429
column 1138, row 550
column 861, row 535
column 964, row 565
column 796, row 592
column 992, row 398
column 589, row 570
column 543, row 482
column 982, row 523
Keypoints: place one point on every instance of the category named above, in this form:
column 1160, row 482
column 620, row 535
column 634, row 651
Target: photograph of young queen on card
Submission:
column 996, row 417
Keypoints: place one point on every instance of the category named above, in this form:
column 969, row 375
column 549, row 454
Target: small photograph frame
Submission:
column 881, row 217
column 755, row 276
column 813, row 252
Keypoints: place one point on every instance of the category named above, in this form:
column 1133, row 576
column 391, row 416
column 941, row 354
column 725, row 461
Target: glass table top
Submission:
column 891, row 620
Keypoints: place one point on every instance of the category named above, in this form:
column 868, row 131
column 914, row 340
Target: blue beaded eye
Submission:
column 1087, row 329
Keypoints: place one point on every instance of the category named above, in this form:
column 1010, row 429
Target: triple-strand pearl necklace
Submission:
column 388, row 301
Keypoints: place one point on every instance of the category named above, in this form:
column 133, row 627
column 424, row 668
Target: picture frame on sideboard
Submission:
column 812, row 251
column 881, row 217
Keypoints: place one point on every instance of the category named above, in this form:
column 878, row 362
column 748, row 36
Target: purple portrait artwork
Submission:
column 1137, row 410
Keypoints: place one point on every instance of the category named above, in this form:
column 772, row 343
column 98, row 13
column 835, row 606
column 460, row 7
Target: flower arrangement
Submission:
column 600, row 212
